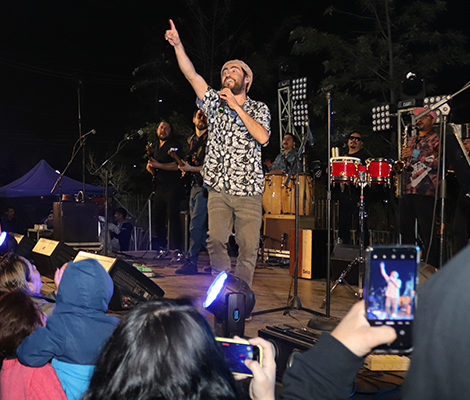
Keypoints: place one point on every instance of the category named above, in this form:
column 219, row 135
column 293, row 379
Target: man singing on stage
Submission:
column 233, row 174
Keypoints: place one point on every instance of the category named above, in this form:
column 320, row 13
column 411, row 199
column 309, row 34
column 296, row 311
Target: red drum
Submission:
column 379, row 170
column 344, row 169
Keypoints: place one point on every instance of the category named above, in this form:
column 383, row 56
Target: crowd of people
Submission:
column 162, row 349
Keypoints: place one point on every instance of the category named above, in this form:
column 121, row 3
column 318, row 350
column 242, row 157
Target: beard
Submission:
column 237, row 87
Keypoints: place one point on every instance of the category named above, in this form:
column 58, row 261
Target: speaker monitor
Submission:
column 25, row 245
column 75, row 222
column 48, row 255
column 131, row 287
column 287, row 345
column 343, row 255
column 312, row 257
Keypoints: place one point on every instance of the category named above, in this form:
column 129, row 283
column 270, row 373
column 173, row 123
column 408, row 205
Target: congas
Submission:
column 272, row 193
column 379, row 170
column 305, row 195
column 344, row 169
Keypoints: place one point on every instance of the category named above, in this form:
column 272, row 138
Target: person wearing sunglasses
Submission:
column 349, row 194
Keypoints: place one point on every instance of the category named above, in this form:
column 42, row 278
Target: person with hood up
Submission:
column 78, row 328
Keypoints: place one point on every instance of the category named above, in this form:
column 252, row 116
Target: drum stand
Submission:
column 359, row 261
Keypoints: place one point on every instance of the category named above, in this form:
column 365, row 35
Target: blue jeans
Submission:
column 198, row 225
column 243, row 213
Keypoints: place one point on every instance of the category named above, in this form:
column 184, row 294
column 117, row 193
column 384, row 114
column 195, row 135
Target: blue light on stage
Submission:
column 3, row 236
column 215, row 288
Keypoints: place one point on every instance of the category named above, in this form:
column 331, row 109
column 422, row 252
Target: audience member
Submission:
column 75, row 333
column 8, row 221
column 19, row 317
column 166, row 350
column 17, row 272
column 120, row 231
column 439, row 365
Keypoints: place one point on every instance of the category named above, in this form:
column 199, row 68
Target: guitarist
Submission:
column 198, row 195
column 168, row 190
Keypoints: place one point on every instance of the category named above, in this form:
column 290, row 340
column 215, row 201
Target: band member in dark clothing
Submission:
column 198, row 196
column 349, row 195
column 168, row 190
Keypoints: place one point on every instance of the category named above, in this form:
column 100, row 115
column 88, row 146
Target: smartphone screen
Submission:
column 390, row 291
column 236, row 352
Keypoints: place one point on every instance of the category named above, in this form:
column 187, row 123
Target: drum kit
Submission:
column 348, row 170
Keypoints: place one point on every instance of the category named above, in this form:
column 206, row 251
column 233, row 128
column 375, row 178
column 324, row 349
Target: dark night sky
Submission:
column 48, row 46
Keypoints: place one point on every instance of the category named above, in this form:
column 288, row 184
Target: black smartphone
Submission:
column 390, row 283
column 237, row 351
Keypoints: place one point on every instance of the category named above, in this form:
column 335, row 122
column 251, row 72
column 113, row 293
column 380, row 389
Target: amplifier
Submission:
column 288, row 342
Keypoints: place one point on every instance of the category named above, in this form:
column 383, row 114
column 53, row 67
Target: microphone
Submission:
column 222, row 105
column 139, row 133
column 92, row 132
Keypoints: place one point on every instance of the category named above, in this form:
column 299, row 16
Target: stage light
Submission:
column 231, row 300
column 382, row 119
column 3, row 236
column 431, row 100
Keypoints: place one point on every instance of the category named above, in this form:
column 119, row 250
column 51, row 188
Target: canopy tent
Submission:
column 40, row 180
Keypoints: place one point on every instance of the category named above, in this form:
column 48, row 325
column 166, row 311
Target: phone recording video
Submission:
column 237, row 351
column 390, row 284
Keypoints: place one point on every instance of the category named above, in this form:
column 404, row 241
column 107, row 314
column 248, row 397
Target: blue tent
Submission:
column 40, row 181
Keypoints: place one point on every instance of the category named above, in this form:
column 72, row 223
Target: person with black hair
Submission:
column 19, row 317
column 349, row 194
column 165, row 349
column 168, row 190
column 284, row 161
column 120, row 231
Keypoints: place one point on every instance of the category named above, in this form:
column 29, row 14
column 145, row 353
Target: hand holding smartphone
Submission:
column 237, row 351
column 390, row 283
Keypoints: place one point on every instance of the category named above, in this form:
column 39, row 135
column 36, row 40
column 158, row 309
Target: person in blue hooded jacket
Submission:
column 78, row 328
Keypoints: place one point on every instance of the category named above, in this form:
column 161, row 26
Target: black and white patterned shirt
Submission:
column 233, row 159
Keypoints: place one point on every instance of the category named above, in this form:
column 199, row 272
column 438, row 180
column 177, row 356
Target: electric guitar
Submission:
column 149, row 148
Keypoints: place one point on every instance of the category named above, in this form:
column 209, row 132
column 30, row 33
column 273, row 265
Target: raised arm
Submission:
column 382, row 270
column 186, row 66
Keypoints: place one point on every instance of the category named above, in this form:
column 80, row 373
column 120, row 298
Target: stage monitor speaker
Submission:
column 343, row 255
column 131, row 287
column 48, row 255
column 25, row 246
column 287, row 343
column 312, row 253
column 75, row 222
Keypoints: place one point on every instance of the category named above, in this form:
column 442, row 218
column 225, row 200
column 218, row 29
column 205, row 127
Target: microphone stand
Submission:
column 327, row 322
column 106, row 223
column 74, row 154
column 294, row 303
